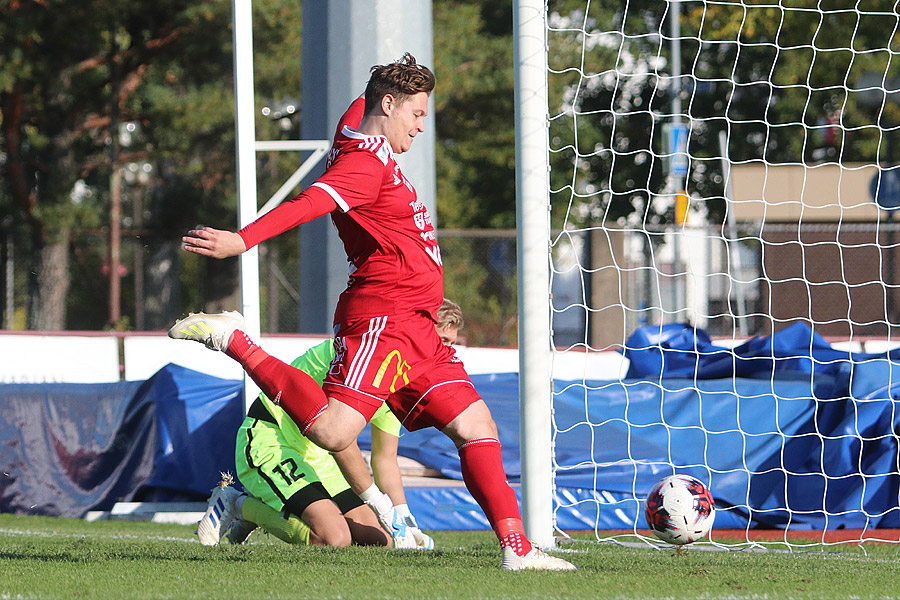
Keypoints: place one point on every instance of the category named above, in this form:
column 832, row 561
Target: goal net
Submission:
column 723, row 263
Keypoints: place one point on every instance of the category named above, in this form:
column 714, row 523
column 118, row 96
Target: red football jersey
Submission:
column 395, row 261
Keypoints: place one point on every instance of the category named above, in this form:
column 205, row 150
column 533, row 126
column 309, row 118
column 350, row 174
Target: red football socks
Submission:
column 518, row 542
column 242, row 349
column 295, row 391
column 482, row 470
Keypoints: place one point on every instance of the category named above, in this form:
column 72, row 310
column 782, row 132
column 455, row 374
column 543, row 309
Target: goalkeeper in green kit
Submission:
column 303, row 494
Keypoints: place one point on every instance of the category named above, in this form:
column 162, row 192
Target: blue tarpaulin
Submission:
column 785, row 429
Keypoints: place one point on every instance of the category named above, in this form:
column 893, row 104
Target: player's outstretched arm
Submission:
column 356, row 472
column 384, row 465
column 389, row 479
column 215, row 243
column 353, row 467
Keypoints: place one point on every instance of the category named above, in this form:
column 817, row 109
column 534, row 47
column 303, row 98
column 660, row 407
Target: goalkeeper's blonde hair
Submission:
column 450, row 315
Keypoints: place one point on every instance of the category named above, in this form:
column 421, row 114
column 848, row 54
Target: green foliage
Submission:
column 169, row 66
column 170, row 63
column 474, row 114
column 479, row 275
column 779, row 96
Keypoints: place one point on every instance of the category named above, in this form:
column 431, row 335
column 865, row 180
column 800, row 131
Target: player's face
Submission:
column 405, row 121
column 447, row 334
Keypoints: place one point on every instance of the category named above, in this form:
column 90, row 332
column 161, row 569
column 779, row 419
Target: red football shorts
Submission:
column 401, row 361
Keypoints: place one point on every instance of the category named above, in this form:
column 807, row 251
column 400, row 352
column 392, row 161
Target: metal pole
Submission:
column 245, row 139
column 675, row 180
column 9, row 278
column 533, row 219
column 139, row 312
column 115, row 193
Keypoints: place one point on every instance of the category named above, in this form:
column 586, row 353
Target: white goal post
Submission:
column 246, row 147
column 533, row 230
column 707, row 190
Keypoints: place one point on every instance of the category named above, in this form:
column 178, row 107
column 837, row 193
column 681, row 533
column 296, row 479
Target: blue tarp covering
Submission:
column 789, row 421
column 786, row 430
column 69, row 448
column 197, row 417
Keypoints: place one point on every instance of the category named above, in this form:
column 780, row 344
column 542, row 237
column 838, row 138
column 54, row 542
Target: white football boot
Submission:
column 240, row 531
column 219, row 515
column 214, row 331
column 536, row 559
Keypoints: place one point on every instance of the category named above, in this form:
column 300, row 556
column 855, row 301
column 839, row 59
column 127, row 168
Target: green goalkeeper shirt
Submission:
column 315, row 363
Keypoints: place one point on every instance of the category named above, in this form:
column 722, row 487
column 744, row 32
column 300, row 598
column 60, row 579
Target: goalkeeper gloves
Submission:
column 423, row 540
column 397, row 527
column 390, row 521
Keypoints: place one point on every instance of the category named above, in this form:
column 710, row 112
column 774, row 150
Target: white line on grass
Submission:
column 96, row 535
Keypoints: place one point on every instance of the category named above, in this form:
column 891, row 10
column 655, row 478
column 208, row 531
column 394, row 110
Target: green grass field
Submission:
column 44, row 557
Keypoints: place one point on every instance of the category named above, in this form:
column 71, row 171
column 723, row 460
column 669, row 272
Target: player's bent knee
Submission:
column 337, row 427
column 333, row 441
column 473, row 423
column 339, row 538
column 331, row 436
column 333, row 536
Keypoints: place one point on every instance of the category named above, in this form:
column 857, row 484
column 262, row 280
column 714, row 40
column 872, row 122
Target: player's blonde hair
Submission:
column 401, row 79
column 450, row 315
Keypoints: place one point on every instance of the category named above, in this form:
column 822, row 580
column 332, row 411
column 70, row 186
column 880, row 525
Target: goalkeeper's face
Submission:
column 405, row 120
column 447, row 333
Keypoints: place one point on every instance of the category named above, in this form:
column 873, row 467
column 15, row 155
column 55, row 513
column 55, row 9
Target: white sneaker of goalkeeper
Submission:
column 219, row 515
column 536, row 560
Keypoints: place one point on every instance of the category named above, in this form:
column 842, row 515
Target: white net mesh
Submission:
column 723, row 259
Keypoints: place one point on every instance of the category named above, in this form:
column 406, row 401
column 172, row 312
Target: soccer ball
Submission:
column 680, row 509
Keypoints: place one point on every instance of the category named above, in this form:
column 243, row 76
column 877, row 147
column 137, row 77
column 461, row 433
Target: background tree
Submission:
column 69, row 70
column 474, row 117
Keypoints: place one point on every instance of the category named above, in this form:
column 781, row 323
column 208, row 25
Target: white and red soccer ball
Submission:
column 680, row 509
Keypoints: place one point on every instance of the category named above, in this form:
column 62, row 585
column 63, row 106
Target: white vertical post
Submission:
column 533, row 227
column 245, row 142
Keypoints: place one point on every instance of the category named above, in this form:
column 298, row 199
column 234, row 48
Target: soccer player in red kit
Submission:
column 386, row 347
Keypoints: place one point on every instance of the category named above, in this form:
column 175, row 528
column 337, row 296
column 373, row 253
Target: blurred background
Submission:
column 117, row 135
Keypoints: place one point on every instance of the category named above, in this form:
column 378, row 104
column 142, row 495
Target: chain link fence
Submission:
column 160, row 283
column 605, row 282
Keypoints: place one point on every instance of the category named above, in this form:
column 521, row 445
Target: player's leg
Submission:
column 456, row 409
column 320, row 522
column 326, row 523
column 286, row 527
column 297, row 393
column 364, row 527
column 273, row 464
column 361, row 520
column 475, row 435
column 444, row 398
column 336, row 428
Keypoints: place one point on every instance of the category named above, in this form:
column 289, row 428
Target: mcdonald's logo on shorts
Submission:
column 402, row 369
